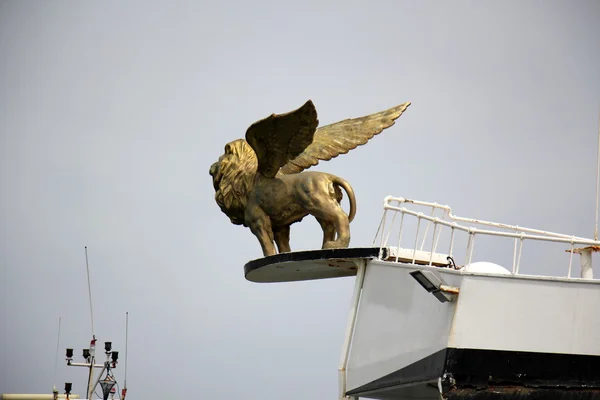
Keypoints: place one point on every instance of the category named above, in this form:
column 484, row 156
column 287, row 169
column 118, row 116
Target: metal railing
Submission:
column 397, row 206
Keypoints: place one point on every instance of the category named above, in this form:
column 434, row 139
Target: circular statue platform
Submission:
column 309, row 265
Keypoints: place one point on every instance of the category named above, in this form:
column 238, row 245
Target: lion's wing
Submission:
column 280, row 138
column 341, row 137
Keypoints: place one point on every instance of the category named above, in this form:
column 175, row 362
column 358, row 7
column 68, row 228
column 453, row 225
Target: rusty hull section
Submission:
column 482, row 374
column 473, row 374
column 521, row 393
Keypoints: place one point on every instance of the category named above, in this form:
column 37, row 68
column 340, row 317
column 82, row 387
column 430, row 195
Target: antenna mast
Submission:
column 93, row 342
column 124, row 390
column 56, row 357
column 87, row 266
column 597, row 180
column 89, row 355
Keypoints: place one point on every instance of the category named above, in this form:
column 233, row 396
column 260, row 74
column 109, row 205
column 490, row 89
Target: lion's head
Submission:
column 233, row 177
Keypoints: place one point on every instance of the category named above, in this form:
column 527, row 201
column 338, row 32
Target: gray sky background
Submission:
column 112, row 112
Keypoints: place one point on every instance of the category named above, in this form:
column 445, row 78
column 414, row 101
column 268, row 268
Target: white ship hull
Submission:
column 502, row 331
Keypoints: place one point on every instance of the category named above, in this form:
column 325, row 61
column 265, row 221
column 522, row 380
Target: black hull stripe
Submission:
column 426, row 369
column 495, row 374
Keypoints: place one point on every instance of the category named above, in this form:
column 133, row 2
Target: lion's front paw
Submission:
column 336, row 244
column 329, row 245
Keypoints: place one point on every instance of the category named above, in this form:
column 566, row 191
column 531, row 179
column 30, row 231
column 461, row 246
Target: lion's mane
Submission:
column 236, row 173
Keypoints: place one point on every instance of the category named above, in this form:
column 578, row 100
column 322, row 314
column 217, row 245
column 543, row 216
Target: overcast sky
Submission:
column 112, row 112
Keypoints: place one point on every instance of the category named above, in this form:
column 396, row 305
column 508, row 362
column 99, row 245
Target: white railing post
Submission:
column 571, row 250
column 427, row 227
column 437, row 240
column 472, row 247
column 520, row 253
column 514, row 267
column 391, row 228
column 586, row 263
column 435, row 225
column 452, row 240
column 400, row 234
column 417, row 237
column 383, row 229
column 468, row 247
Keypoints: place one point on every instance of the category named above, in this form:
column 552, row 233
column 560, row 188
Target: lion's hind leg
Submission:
column 320, row 198
column 328, row 231
column 342, row 226
column 333, row 220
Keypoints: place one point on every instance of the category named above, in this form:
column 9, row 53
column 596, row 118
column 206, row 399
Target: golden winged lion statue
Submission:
column 260, row 183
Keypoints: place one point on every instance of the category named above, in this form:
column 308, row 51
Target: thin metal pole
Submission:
column 358, row 284
column 597, row 179
column 399, row 237
column 435, row 225
column 451, row 241
column 571, row 250
column 427, row 228
column 87, row 266
column 514, row 257
column 437, row 240
column 379, row 227
column 519, row 258
column 382, row 230
column 93, row 344
column 416, row 238
column 90, row 388
column 468, row 248
column 56, row 357
column 391, row 227
column 472, row 247
column 126, row 340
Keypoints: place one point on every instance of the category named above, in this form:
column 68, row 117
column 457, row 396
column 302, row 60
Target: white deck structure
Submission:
column 432, row 318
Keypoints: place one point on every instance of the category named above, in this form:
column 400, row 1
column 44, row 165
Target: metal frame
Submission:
column 91, row 365
column 520, row 234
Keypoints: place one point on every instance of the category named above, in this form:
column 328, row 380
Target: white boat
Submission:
column 432, row 317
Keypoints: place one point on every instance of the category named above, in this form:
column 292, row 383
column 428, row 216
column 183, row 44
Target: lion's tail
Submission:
column 336, row 180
